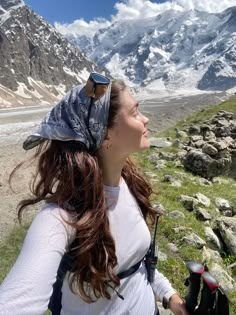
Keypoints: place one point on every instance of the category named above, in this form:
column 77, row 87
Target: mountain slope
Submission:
column 173, row 50
column 36, row 62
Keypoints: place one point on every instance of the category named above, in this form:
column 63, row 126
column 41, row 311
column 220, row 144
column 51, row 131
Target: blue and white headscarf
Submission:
column 68, row 120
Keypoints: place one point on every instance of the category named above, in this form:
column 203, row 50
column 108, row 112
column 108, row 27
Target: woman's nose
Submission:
column 145, row 120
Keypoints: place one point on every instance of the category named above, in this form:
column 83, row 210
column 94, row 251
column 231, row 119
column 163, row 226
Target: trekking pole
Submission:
column 210, row 286
column 151, row 257
column 193, row 282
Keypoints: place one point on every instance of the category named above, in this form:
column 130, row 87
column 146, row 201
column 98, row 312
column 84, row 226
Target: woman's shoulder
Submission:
column 53, row 209
column 52, row 217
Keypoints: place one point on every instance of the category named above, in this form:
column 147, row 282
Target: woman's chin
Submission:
column 145, row 145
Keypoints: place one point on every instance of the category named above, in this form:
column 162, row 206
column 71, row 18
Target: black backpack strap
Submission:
column 65, row 265
column 130, row 271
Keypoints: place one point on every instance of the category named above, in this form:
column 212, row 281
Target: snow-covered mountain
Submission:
column 173, row 50
column 37, row 64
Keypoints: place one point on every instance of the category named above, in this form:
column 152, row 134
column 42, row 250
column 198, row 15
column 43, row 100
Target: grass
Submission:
column 10, row 248
column 174, row 267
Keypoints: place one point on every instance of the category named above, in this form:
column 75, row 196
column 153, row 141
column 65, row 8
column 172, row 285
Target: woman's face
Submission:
column 129, row 133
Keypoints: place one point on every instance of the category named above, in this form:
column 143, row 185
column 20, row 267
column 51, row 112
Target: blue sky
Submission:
column 66, row 11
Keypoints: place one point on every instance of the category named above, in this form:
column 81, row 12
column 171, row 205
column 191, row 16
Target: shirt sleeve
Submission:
column 27, row 288
column 161, row 286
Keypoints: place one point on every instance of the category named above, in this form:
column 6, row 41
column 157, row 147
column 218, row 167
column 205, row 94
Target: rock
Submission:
column 196, row 138
column 182, row 229
column 176, row 214
column 210, row 153
column 202, row 164
column 159, row 142
column 153, row 158
column 162, row 256
column 212, row 240
column 181, row 175
column 203, row 182
column 168, row 178
column 202, row 214
column 180, row 154
column 178, row 144
column 223, row 122
column 209, row 149
column 209, row 135
column 194, row 240
column 159, row 207
column 216, row 180
column 222, row 204
column 229, row 141
column 199, row 144
column 178, row 164
column 181, row 134
column 176, row 183
column 160, row 164
column 227, row 229
column 188, row 202
column 220, row 145
column 169, row 156
column 225, row 280
column 203, row 200
column 228, row 213
column 209, row 256
column 172, row 247
column 194, row 130
column 205, row 128
column 232, row 267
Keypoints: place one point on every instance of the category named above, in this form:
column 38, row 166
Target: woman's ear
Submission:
column 106, row 142
column 107, row 136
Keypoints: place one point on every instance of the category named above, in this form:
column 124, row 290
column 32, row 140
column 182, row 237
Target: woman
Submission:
column 93, row 194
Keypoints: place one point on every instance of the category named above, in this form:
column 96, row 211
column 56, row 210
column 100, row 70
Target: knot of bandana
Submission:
column 78, row 117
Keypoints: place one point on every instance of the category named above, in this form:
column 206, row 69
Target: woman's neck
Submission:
column 112, row 172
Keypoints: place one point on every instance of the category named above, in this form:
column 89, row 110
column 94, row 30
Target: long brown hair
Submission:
column 70, row 176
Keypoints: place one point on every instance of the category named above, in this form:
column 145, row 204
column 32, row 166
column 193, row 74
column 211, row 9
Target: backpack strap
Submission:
column 130, row 271
column 65, row 265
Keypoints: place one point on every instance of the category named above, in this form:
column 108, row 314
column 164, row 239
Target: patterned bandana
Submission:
column 76, row 117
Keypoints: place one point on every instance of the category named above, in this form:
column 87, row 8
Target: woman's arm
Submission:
column 162, row 288
column 27, row 288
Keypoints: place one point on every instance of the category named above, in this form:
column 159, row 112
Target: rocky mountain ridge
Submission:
column 37, row 63
column 173, row 50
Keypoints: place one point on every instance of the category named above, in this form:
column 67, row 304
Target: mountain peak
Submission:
column 7, row 4
column 37, row 64
column 173, row 50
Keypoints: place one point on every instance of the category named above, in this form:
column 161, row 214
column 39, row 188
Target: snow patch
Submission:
column 69, row 72
column 22, row 90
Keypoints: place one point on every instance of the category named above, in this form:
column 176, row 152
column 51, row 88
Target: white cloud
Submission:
column 134, row 9
column 81, row 27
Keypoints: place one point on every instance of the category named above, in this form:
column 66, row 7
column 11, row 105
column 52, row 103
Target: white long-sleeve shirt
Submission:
column 27, row 288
